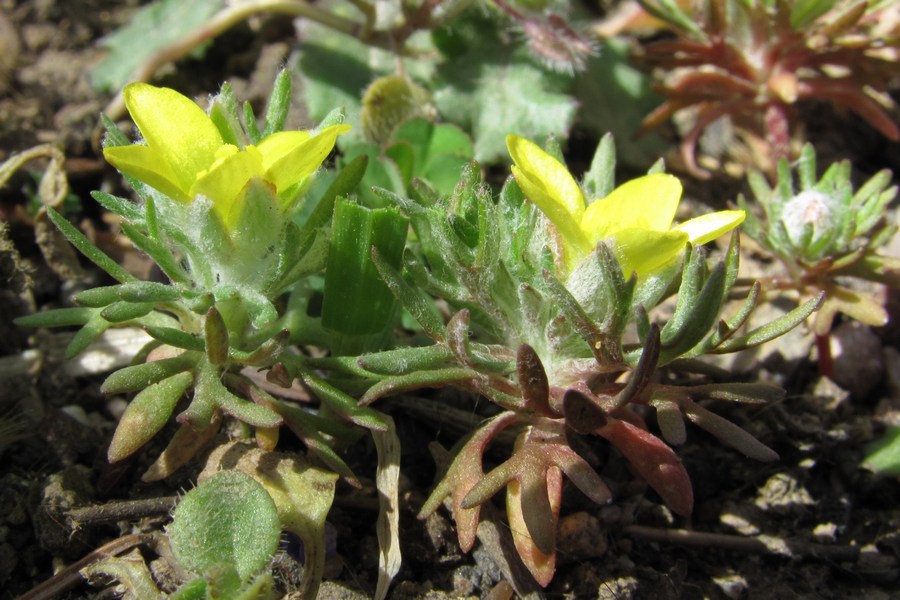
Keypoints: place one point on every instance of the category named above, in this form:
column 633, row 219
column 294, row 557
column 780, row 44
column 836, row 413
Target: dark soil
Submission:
column 812, row 525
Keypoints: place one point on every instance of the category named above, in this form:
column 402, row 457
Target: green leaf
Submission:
column 804, row 12
column 59, row 317
column 729, row 326
column 210, row 394
column 671, row 12
column 600, row 180
column 160, row 254
column 418, row 380
column 146, row 414
column 137, row 377
column 84, row 245
column 495, row 87
column 415, row 301
column 91, row 330
column 177, row 338
column 383, row 172
column 344, row 405
column 229, row 519
column 223, row 112
column 148, row 291
column 585, row 327
column 356, row 300
column 344, row 184
column 435, row 153
column 701, row 315
column 771, row 330
column 119, row 312
column 256, row 233
column 302, row 495
column 884, row 455
column 122, row 207
column 310, row 429
column 279, row 103
column 692, row 281
column 151, row 29
column 97, row 297
column 404, row 360
column 193, row 590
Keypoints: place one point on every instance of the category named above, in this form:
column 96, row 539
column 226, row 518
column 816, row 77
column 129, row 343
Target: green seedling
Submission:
column 826, row 234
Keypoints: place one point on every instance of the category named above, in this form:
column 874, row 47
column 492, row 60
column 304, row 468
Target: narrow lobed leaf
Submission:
column 137, row 377
column 773, row 329
column 146, row 414
column 89, row 250
column 177, row 338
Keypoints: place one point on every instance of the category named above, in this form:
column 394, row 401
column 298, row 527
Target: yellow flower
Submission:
column 637, row 215
column 184, row 154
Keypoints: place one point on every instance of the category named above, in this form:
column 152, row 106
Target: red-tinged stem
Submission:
column 778, row 131
column 826, row 360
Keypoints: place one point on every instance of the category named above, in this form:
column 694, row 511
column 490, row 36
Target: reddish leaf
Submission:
column 541, row 565
column 461, row 477
column 654, row 461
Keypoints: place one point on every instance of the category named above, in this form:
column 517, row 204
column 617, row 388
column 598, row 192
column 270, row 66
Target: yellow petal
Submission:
column 550, row 186
column 224, row 181
column 175, row 128
column 145, row 164
column 546, row 177
column 645, row 251
column 647, row 202
column 708, row 227
column 276, row 146
column 289, row 164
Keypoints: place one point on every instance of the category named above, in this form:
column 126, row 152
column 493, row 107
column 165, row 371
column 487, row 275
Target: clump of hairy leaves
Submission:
column 826, row 234
column 206, row 332
column 548, row 350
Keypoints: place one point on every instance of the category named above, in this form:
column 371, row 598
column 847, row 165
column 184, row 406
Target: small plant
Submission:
column 753, row 61
column 542, row 287
column 217, row 196
column 826, row 235
column 552, row 290
column 236, row 187
column 225, row 530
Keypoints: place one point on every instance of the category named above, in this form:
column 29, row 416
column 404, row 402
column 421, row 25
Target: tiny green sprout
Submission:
column 827, row 235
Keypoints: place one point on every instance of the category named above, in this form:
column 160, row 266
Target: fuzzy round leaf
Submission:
column 229, row 519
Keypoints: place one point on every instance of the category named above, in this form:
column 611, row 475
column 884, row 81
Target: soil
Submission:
column 814, row 524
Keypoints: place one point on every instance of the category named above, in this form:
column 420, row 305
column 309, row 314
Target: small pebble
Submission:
column 581, row 536
column 732, row 585
column 782, row 494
